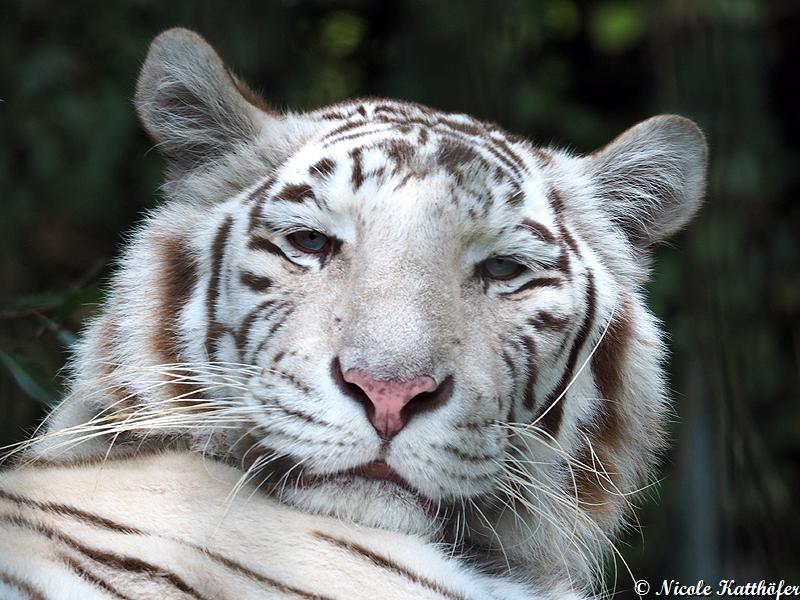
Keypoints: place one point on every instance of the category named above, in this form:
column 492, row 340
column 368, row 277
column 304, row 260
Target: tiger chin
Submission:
column 391, row 315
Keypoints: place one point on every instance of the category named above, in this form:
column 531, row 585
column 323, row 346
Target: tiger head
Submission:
column 410, row 319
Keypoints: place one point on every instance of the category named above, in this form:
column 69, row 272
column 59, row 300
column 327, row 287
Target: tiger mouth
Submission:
column 380, row 471
column 376, row 470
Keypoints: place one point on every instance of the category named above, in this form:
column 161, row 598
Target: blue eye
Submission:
column 310, row 241
column 501, row 268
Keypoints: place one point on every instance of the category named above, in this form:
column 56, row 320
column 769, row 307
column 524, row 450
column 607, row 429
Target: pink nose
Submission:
column 388, row 399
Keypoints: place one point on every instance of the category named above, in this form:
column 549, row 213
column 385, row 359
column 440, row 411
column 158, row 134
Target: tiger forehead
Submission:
column 398, row 143
column 458, row 137
column 451, row 183
column 407, row 158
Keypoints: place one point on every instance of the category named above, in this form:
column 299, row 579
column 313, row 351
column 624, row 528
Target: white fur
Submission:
column 417, row 204
column 179, row 504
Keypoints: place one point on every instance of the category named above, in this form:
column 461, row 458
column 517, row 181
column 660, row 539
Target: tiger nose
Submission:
column 386, row 402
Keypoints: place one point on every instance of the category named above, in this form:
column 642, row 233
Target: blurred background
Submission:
column 76, row 172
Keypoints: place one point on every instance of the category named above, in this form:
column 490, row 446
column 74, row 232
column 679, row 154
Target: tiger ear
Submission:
column 191, row 105
column 651, row 178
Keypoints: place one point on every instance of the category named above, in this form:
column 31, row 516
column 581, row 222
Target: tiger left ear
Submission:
column 651, row 178
column 191, row 104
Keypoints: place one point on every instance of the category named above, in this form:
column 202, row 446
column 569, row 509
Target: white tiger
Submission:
column 399, row 318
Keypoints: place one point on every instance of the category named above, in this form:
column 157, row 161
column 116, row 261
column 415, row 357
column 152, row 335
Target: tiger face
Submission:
column 401, row 301
column 409, row 319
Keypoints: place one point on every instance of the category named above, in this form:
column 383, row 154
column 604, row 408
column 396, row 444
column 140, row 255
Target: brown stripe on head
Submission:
column 178, row 268
column 399, row 151
column 556, row 202
column 243, row 332
column 388, row 109
column 545, row 158
column 264, row 245
column 512, row 369
column 552, row 410
column 179, row 273
column 472, row 128
column 528, row 398
column 258, row 198
column 212, row 293
column 603, row 437
column 257, row 283
column 563, row 263
column 540, row 230
column 344, row 127
column 568, row 239
column 509, row 151
column 295, row 192
column 260, row 191
column 608, row 368
column 322, row 168
column 546, row 321
column 536, row 282
column 333, row 115
column 516, row 195
column 453, row 155
column 357, row 177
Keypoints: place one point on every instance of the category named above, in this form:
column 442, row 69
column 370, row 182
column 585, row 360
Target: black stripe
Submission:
column 389, row 565
column 551, row 422
column 243, row 333
column 536, row 282
column 512, row 369
column 265, row 245
column 466, row 456
column 70, row 511
column 109, row 559
column 274, row 583
column 23, row 586
column 275, row 326
column 322, row 168
column 217, row 256
column 342, row 128
column 257, row 283
column 545, row 321
column 295, row 192
column 84, row 573
column 528, row 398
column 260, row 192
column 539, row 229
column 115, row 527
column 357, row 177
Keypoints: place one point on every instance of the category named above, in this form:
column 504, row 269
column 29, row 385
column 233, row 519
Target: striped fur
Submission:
column 221, row 331
column 66, row 535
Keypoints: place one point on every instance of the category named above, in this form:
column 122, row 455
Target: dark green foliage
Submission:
column 76, row 172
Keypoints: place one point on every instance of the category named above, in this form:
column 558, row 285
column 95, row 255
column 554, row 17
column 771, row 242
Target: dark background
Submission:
column 76, row 172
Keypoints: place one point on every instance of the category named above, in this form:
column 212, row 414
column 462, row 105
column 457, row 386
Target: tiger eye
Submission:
column 310, row 241
column 501, row 268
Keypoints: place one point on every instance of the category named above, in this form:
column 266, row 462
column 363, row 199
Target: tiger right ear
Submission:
column 651, row 178
column 191, row 105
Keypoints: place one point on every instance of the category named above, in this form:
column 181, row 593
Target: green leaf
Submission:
column 63, row 335
column 342, row 33
column 33, row 384
column 616, row 26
